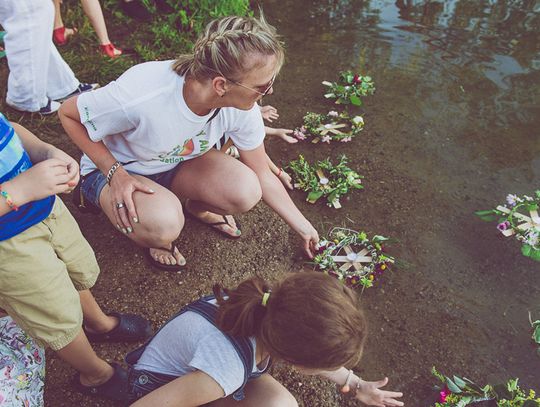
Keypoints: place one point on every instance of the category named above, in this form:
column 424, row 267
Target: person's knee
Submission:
column 161, row 226
column 247, row 194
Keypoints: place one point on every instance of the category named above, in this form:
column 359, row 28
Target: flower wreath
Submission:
column 352, row 257
column 324, row 179
column 519, row 218
column 331, row 126
column 461, row 392
column 349, row 88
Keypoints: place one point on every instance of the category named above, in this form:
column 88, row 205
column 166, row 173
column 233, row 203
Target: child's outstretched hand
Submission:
column 371, row 394
column 269, row 113
column 282, row 134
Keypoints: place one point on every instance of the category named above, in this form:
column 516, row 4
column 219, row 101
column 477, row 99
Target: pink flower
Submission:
column 503, row 226
column 302, row 129
column 443, row 394
column 299, row 134
column 326, row 139
column 346, row 139
column 357, row 79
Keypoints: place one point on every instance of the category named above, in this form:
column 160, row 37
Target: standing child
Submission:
column 48, row 267
column 221, row 346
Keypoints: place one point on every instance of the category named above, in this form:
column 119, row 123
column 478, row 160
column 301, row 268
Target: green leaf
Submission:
column 488, row 216
column 355, row 100
column 349, row 78
column 459, row 382
column 313, row 196
column 454, row 388
column 533, row 253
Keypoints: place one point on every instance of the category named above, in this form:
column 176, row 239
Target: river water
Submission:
column 452, row 128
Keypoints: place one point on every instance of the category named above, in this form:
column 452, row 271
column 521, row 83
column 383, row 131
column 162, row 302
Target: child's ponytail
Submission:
column 241, row 313
column 309, row 319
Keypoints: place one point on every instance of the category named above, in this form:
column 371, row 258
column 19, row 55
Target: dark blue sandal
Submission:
column 130, row 328
column 116, row 388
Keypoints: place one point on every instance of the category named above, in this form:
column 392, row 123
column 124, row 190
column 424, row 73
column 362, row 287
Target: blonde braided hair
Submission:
column 231, row 46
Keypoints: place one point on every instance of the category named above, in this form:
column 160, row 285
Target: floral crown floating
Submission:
column 324, row 179
column 349, row 88
column 519, row 218
column 352, row 257
column 331, row 126
column 461, row 392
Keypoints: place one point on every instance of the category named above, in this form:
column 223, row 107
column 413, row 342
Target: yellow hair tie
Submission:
column 265, row 298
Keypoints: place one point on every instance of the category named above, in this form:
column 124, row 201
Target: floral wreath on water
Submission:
column 349, row 88
column 519, row 218
column 332, row 126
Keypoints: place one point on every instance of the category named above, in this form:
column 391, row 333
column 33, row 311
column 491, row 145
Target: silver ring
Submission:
column 119, row 205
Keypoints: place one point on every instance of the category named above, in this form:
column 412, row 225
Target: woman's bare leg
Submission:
column 93, row 11
column 160, row 220
column 262, row 392
column 217, row 184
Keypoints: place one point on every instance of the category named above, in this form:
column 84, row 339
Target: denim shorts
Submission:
column 93, row 183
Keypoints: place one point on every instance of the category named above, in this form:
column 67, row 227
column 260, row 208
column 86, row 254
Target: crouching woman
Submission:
column 217, row 350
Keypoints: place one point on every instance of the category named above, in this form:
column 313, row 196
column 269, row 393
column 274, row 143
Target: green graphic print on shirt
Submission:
column 179, row 153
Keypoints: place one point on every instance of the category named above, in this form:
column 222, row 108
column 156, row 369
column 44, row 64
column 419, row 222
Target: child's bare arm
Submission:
column 54, row 172
column 282, row 175
column 369, row 393
column 194, row 389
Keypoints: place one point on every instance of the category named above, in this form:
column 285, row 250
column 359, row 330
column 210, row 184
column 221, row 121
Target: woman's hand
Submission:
column 310, row 237
column 72, row 166
column 371, row 394
column 269, row 113
column 122, row 187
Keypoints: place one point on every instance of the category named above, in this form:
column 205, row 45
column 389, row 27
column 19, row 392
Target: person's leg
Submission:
column 29, row 30
column 57, row 14
column 216, row 184
column 32, row 275
column 93, row 11
column 262, row 392
column 161, row 220
column 80, row 355
column 60, row 33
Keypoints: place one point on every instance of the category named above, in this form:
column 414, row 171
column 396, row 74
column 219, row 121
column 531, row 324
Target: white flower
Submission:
column 512, row 199
column 347, row 87
column 532, row 238
column 333, row 113
column 357, row 120
column 327, row 126
column 528, row 198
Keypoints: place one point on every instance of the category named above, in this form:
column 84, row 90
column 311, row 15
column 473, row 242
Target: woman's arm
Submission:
column 194, row 389
column 275, row 195
column 122, row 184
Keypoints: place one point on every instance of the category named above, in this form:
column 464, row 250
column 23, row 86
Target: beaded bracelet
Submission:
column 8, row 199
column 111, row 172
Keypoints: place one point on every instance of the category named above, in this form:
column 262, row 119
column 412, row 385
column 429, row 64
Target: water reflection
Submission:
column 472, row 65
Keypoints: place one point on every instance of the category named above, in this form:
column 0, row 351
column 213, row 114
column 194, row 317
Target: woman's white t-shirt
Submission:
column 142, row 118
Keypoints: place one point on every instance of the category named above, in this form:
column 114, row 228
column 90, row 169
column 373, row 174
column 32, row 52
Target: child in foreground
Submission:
column 47, row 266
column 217, row 350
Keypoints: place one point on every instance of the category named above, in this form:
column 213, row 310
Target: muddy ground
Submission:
column 461, row 298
